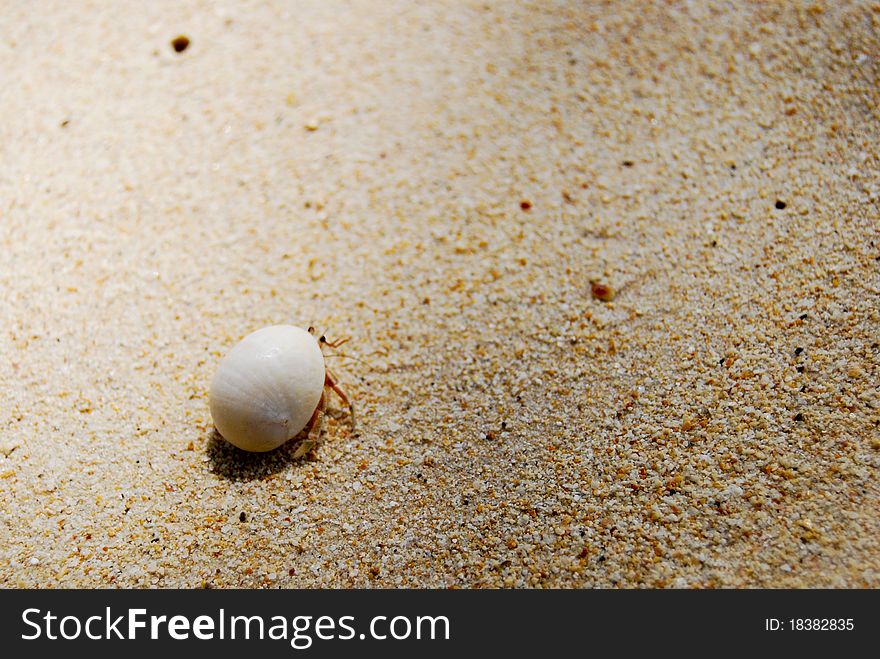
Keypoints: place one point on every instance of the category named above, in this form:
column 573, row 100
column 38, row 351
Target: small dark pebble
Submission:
column 803, row 316
column 800, row 369
column 628, row 163
column 798, row 417
column 180, row 43
column 798, row 351
column 780, row 205
column 490, row 435
column 242, row 517
column 65, row 123
column 504, row 425
column 525, row 204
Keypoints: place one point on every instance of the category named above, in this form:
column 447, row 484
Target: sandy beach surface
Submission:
column 452, row 185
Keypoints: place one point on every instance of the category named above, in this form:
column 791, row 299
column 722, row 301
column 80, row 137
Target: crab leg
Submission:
column 329, row 381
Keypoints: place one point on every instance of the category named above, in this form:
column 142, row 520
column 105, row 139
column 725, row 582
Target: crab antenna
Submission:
column 352, row 357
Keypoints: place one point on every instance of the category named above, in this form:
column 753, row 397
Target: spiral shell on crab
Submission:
column 267, row 387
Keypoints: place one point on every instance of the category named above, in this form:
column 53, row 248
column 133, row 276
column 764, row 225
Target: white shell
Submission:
column 266, row 389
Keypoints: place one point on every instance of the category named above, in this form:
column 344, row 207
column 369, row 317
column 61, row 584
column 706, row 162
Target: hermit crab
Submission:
column 271, row 386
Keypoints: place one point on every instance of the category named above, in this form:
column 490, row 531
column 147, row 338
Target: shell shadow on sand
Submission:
column 232, row 463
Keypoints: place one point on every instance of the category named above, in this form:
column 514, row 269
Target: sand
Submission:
column 444, row 183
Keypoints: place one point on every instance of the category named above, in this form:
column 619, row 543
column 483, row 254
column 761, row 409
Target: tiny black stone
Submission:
column 714, row 243
column 628, row 163
column 780, row 205
column 180, row 43
column 242, row 517
column 798, row 417
column 803, row 316
column 800, row 369
column 504, row 425
column 798, row 351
